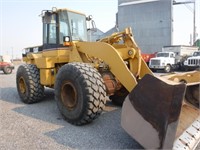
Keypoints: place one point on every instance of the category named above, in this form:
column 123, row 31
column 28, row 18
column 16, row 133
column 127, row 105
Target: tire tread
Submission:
column 32, row 76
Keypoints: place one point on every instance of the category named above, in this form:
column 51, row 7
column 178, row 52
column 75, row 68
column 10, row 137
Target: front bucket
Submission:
column 150, row 113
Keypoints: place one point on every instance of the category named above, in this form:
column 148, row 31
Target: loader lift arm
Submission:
column 114, row 55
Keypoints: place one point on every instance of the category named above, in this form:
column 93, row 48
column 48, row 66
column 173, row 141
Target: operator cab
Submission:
column 62, row 24
column 60, row 28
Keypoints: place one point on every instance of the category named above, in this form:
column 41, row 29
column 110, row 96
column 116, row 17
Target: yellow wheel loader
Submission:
column 158, row 112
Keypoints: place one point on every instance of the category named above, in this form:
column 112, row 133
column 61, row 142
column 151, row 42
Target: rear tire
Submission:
column 80, row 93
column 28, row 84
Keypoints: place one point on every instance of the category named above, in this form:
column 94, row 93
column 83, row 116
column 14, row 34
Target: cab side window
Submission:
column 49, row 30
column 64, row 26
column 52, row 33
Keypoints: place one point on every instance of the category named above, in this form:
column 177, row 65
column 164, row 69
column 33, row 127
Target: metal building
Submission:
column 151, row 21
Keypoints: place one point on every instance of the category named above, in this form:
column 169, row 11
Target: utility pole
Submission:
column 12, row 53
column 194, row 16
column 194, row 23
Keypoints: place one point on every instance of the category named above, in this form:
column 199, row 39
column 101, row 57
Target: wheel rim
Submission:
column 8, row 70
column 22, row 85
column 69, row 95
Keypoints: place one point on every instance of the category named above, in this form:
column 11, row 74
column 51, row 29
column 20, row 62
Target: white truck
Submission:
column 193, row 62
column 171, row 58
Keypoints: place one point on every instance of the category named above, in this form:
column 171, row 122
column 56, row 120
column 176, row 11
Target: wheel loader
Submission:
column 158, row 112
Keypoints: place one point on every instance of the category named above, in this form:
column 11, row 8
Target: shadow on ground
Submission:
column 10, row 94
column 103, row 133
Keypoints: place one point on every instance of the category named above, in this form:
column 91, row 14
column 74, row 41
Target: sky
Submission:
column 183, row 22
column 21, row 26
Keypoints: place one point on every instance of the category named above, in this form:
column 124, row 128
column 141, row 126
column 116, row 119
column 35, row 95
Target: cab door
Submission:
column 50, row 31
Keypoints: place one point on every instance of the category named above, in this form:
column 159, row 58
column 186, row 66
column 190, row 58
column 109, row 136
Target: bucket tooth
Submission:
column 151, row 111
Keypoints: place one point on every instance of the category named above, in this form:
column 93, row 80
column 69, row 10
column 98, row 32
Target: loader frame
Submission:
column 114, row 62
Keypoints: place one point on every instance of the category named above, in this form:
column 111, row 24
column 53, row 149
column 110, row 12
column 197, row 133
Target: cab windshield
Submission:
column 163, row 55
column 73, row 25
column 77, row 23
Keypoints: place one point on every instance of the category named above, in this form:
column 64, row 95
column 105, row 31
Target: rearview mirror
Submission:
column 94, row 29
column 89, row 18
column 47, row 17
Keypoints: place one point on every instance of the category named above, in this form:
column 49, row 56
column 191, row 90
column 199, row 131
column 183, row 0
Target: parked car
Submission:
column 5, row 65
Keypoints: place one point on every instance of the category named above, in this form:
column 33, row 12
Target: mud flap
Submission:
column 151, row 111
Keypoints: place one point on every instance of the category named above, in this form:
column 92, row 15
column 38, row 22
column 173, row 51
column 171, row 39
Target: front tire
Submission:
column 80, row 93
column 28, row 84
column 7, row 70
column 168, row 68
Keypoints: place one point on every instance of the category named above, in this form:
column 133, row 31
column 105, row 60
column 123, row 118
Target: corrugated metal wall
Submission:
column 151, row 21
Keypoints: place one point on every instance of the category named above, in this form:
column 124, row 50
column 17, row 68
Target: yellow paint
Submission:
column 47, row 77
column 124, row 60
column 111, row 57
column 192, row 77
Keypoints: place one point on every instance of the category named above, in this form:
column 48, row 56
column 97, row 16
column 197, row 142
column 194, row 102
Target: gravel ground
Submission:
column 40, row 125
